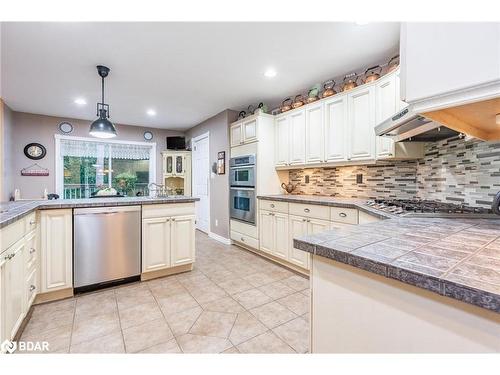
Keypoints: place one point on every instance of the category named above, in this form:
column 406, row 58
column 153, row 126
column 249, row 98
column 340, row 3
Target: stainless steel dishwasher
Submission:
column 107, row 246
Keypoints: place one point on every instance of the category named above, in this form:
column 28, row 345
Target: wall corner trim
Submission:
column 219, row 238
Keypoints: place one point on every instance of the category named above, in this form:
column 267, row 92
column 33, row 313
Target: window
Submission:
column 85, row 166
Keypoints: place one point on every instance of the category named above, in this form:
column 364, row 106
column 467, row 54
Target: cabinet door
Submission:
column 250, row 131
column 168, row 161
column 56, row 249
column 387, row 106
column 400, row 104
column 236, row 135
column 297, row 137
column 297, row 228
column 155, row 244
column 266, row 225
column 315, row 150
column 336, row 128
column 14, row 289
column 179, row 165
column 315, row 226
column 282, row 140
column 281, row 243
column 361, row 104
column 182, row 241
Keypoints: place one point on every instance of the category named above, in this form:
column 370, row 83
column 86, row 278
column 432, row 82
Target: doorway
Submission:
column 201, row 180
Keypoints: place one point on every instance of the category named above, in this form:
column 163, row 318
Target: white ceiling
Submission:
column 187, row 72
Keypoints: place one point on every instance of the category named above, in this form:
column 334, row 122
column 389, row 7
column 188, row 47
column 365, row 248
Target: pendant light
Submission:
column 102, row 127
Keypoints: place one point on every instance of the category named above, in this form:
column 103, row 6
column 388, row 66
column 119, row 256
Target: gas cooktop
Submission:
column 418, row 207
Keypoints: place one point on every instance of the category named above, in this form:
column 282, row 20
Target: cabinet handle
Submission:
column 307, row 210
column 12, row 255
column 272, row 205
column 342, row 214
column 308, row 220
column 32, row 222
column 32, row 288
column 242, row 239
column 32, row 251
column 173, row 219
column 304, row 220
column 7, row 257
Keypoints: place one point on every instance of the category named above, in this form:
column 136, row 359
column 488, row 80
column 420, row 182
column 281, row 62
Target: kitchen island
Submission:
column 38, row 255
column 406, row 285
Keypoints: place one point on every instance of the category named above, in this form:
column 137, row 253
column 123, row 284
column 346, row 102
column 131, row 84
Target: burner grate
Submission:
column 426, row 206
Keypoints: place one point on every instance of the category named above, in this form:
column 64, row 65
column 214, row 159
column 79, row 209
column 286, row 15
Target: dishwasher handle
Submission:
column 105, row 210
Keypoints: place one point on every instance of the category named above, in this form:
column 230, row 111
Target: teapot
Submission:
column 372, row 74
column 286, row 105
column 350, row 82
column 298, row 101
column 393, row 64
column 495, row 206
column 328, row 86
column 288, row 187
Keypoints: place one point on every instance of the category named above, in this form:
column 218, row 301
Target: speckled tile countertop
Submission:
column 328, row 201
column 12, row 211
column 457, row 258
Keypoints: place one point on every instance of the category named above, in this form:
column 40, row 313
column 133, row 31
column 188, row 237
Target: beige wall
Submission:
column 6, row 162
column 218, row 127
column 28, row 128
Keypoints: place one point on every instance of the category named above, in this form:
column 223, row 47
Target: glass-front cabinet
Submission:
column 177, row 172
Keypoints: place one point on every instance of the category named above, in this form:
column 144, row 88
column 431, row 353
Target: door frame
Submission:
column 193, row 142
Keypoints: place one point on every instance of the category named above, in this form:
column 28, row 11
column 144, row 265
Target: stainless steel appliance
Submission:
column 107, row 246
column 242, row 171
column 429, row 208
column 408, row 125
column 242, row 206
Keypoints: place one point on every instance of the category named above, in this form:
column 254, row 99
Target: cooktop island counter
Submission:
column 397, row 283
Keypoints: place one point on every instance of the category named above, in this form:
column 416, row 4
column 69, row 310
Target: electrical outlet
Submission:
column 306, row 179
column 359, row 178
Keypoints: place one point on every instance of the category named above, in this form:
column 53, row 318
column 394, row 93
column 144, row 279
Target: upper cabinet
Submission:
column 339, row 130
column 243, row 132
column 437, row 78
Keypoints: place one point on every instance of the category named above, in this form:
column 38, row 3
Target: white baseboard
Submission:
column 216, row 237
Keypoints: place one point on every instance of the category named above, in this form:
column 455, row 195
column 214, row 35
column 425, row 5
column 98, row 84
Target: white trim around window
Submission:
column 59, row 165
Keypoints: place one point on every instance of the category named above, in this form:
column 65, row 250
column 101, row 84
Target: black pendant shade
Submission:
column 102, row 127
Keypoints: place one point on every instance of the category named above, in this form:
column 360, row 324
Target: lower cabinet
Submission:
column 274, row 233
column 13, row 282
column 56, row 249
column 302, row 226
column 167, row 242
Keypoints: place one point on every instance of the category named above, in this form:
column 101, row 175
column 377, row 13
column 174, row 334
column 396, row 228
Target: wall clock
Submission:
column 65, row 127
column 148, row 135
column 35, row 151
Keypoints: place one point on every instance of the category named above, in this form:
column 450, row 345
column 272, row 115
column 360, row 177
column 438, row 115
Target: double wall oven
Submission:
column 242, row 180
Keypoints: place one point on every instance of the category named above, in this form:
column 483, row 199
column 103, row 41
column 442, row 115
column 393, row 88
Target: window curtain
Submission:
column 88, row 149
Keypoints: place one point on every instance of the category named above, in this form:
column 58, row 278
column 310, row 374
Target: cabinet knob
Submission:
column 32, row 251
column 242, row 239
column 342, row 214
column 173, row 219
column 32, row 288
column 304, row 220
column 307, row 210
column 308, row 220
column 272, row 205
column 32, row 222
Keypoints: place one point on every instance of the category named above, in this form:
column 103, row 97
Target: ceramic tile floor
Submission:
column 233, row 301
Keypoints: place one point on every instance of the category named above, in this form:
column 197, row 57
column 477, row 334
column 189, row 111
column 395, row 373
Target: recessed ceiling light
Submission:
column 80, row 101
column 270, row 73
column 151, row 112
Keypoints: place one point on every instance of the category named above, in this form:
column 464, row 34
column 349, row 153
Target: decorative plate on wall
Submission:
column 148, row 135
column 35, row 151
column 65, row 127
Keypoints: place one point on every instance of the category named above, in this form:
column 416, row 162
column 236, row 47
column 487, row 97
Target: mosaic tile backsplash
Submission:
column 452, row 170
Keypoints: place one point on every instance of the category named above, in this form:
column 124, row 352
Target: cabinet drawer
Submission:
column 274, row 206
column 11, row 234
column 30, row 252
column 31, row 288
column 30, row 222
column 165, row 210
column 244, row 239
column 310, row 210
column 344, row 215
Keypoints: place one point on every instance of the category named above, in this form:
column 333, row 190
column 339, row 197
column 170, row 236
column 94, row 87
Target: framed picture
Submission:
column 221, row 162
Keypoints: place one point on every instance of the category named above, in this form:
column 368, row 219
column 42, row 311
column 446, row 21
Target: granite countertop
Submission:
column 457, row 258
column 360, row 204
column 12, row 211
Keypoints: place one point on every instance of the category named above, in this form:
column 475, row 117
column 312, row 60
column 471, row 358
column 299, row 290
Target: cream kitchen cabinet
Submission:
column 177, row 172
column 282, row 139
column 361, row 136
column 336, row 128
column 14, row 301
column 315, row 129
column 168, row 236
column 244, row 132
column 274, row 233
column 297, row 148
column 56, row 243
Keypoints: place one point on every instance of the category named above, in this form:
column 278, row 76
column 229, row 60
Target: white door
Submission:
column 182, row 237
column 14, row 289
column 281, row 235
column 314, row 133
column 282, row 139
column 361, row 104
column 387, row 106
column 155, row 244
column 297, row 228
column 298, row 137
column 266, row 224
column 201, row 175
column 336, row 128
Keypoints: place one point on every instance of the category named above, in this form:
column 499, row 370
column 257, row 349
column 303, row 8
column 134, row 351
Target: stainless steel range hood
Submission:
column 407, row 125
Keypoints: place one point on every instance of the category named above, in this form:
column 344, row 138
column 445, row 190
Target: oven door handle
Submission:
column 241, row 188
column 248, row 166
